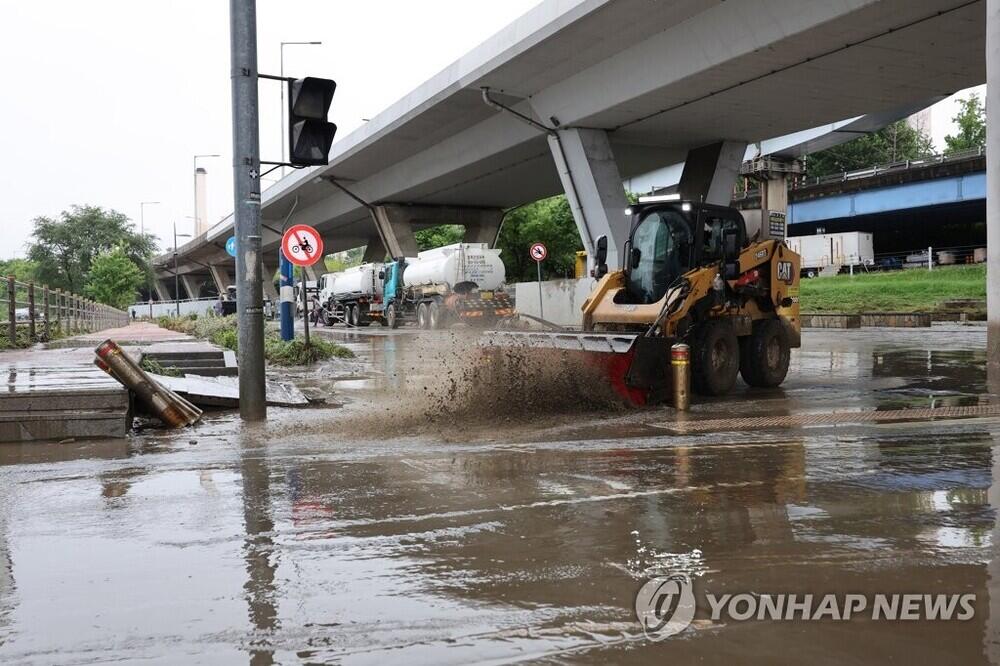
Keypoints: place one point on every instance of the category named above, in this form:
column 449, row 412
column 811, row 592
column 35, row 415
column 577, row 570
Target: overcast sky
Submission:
column 106, row 101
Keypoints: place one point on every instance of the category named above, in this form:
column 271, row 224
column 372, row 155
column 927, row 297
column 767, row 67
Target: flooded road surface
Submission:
column 318, row 538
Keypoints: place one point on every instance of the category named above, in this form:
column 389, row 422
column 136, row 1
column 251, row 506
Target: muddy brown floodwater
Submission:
column 371, row 533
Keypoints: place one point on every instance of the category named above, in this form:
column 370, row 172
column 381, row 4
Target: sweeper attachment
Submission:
column 691, row 277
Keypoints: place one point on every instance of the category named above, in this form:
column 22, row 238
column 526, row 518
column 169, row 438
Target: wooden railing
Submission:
column 40, row 313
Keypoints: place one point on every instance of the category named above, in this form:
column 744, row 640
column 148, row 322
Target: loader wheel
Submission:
column 422, row 316
column 765, row 355
column 715, row 359
column 434, row 316
column 391, row 320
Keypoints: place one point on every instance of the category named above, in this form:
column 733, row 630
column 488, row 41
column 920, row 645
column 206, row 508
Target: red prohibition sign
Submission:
column 538, row 252
column 302, row 245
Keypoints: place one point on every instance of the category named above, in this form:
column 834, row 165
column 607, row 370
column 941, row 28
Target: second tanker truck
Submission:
column 461, row 283
column 456, row 283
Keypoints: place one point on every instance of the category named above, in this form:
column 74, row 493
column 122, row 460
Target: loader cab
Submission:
column 668, row 239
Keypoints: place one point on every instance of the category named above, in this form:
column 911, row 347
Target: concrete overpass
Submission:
column 588, row 93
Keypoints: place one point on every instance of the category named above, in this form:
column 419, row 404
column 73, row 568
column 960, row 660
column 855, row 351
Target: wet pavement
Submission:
column 367, row 532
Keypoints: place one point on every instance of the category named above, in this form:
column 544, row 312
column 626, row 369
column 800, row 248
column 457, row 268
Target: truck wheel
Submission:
column 390, row 316
column 434, row 319
column 765, row 354
column 715, row 358
column 327, row 319
column 422, row 316
column 355, row 315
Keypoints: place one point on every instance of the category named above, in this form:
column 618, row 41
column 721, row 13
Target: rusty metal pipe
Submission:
column 161, row 401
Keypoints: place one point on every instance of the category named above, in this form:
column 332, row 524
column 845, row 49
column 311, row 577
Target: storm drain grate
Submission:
column 831, row 418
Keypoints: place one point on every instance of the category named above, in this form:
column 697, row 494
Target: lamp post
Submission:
column 177, row 285
column 283, row 85
column 194, row 171
column 142, row 214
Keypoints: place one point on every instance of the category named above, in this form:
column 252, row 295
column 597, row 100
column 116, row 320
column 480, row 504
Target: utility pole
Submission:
column 246, row 189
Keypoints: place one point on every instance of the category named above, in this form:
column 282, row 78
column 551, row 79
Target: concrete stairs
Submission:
column 208, row 363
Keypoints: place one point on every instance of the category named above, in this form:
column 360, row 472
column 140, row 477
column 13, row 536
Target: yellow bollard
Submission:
column 680, row 360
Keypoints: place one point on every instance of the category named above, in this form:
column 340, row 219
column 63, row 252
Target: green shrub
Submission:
column 221, row 331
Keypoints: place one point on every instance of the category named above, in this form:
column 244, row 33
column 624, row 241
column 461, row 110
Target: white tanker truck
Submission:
column 350, row 295
column 456, row 283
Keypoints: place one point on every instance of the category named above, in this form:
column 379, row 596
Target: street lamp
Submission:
column 284, row 84
column 197, row 221
column 177, row 285
column 142, row 214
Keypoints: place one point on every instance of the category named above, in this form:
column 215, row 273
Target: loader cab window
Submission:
column 713, row 230
column 661, row 252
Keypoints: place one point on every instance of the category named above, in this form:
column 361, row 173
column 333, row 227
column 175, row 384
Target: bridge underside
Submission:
column 689, row 74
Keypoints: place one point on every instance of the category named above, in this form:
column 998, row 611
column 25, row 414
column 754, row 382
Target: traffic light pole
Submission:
column 246, row 189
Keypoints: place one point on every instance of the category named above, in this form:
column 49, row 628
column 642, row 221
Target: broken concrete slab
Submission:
column 225, row 391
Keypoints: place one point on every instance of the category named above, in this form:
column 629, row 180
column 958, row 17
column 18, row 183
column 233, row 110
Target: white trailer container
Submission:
column 458, row 267
column 850, row 248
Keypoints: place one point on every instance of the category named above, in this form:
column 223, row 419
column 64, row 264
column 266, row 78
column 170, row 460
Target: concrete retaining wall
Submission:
column 168, row 308
column 560, row 303
column 868, row 320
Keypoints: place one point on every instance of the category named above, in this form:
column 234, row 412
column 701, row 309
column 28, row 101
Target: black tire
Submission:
column 765, row 354
column 326, row 317
column 715, row 358
column 391, row 320
column 422, row 316
column 434, row 318
column 355, row 315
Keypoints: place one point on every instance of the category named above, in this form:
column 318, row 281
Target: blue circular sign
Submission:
column 231, row 246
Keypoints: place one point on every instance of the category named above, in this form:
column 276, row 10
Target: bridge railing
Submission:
column 36, row 313
column 878, row 169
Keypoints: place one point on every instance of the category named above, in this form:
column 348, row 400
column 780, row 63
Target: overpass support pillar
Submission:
column 270, row 292
column 394, row 224
column 162, row 291
column 710, row 172
column 190, row 286
column 374, row 252
column 220, row 275
column 314, row 272
column 482, row 226
column 771, row 221
column 593, row 186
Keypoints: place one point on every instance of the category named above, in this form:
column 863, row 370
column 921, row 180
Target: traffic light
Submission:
column 309, row 134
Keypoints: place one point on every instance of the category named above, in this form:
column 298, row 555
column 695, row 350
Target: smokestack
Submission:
column 200, row 201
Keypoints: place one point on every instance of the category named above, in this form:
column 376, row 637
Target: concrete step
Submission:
column 187, row 355
column 227, row 371
column 57, row 424
column 191, row 362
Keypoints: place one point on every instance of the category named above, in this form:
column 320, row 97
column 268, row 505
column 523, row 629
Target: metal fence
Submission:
column 37, row 313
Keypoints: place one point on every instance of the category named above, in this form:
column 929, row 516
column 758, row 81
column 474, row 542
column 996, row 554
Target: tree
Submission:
column 899, row 141
column 22, row 269
column 549, row 221
column 971, row 122
column 114, row 279
column 445, row 234
column 63, row 249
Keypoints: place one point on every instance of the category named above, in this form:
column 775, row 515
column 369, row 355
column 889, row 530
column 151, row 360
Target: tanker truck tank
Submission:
column 461, row 267
column 360, row 280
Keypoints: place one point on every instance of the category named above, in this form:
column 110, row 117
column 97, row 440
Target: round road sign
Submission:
column 302, row 245
column 538, row 252
column 231, row 246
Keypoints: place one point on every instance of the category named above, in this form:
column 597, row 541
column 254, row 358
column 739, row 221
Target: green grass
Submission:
column 222, row 332
column 913, row 290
